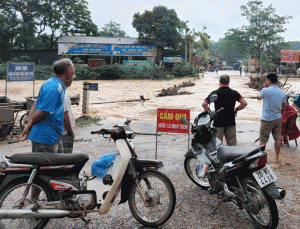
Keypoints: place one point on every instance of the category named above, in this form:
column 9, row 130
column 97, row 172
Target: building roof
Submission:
column 98, row 40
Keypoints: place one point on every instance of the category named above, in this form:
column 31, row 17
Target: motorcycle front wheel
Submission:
column 10, row 198
column 261, row 208
column 161, row 199
column 190, row 167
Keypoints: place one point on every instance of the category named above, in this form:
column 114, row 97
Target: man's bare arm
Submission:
column 296, row 107
column 243, row 104
column 67, row 122
column 283, row 107
column 205, row 106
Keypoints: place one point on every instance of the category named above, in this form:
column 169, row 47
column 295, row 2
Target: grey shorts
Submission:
column 39, row 147
column 266, row 127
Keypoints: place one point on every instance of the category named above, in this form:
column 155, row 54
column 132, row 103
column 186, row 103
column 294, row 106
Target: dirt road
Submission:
column 193, row 204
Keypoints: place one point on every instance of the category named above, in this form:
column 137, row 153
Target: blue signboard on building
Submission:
column 133, row 50
column 100, row 49
column 116, row 50
column 20, row 71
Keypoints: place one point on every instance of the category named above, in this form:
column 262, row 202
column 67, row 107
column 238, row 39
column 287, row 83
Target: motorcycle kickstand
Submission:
column 86, row 221
column 216, row 208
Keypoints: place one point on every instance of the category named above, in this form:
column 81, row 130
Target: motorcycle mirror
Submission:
column 184, row 120
column 213, row 98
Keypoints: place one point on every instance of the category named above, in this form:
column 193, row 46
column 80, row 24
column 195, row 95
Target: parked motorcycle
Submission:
column 237, row 174
column 35, row 187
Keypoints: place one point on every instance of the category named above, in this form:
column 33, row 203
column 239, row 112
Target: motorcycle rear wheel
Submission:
column 23, row 121
column 10, row 198
column 190, row 167
column 162, row 198
column 267, row 216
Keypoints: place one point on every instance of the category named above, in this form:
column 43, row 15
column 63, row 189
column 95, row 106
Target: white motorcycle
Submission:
column 35, row 187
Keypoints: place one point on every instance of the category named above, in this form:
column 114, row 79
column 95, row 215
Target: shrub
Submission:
column 43, row 72
column 109, row 72
column 3, row 70
column 181, row 69
column 157, row 72
column 84, row 73
column 132, row 73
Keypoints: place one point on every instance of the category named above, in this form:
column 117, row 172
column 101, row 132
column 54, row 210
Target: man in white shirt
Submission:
column 66, row 145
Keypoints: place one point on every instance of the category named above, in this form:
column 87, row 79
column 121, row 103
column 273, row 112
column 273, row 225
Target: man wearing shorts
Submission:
column 45, row 120
column 227, row 98
column 274, row 105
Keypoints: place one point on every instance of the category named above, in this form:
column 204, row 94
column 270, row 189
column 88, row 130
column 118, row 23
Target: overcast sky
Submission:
column 218, row 16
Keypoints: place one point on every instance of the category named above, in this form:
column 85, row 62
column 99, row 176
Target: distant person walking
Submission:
column 241, row 69
column 227, row 98
column 274, row 105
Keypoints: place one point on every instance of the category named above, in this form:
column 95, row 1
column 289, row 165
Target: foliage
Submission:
column 266, row 63
column 181, row 69
column 136, row 73
column 3, row 71
column 264, row 27
column 109, row 72
column 86, row 120
column 84, row 72
column 22, row 59
column 202, row 46
column 157, row 72
column 9, row 28
column 77, row 60
column 28, row 20
column 43, row 72
column 160, row 27
column 112, row 29
column 112, row 72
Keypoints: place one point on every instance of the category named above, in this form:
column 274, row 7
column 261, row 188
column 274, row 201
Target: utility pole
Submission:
column 186, row 54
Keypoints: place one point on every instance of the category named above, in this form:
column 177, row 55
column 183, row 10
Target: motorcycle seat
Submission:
column 47, row 159
column 230, row 153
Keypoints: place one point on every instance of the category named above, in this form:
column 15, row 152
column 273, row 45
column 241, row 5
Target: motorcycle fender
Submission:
column 273, row 191
column 9, row 178
column 127, row 183
column 190, row 153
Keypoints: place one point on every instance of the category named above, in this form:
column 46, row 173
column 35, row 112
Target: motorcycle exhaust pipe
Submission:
column 24, row 213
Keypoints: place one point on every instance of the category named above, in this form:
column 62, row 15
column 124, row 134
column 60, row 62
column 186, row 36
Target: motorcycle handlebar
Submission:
column 219, row 110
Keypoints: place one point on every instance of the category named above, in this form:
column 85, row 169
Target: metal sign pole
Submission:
column 6, row 79
column 189, row 141
column 33, row 79
column 156, row 147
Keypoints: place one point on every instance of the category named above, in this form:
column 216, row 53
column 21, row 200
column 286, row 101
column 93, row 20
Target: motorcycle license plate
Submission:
column 264, row 176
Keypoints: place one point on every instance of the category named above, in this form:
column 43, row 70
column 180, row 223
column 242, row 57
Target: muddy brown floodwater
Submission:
column 120, row 90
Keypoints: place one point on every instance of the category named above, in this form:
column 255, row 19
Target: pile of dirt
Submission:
column 175, row 90
column 257, row 82
column 187, row 84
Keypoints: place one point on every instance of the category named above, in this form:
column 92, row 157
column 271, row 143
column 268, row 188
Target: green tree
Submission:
column 9, row 26
column 266, row 63
column 264, row 26
column 112, row 29
column 33, row 17
column 160, row 27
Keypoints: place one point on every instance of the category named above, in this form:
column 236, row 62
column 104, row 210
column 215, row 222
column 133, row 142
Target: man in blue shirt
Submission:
column 45, row 121
column 274, row 105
